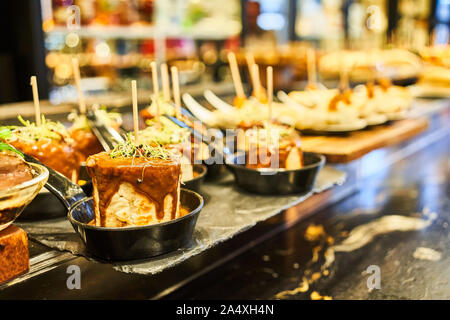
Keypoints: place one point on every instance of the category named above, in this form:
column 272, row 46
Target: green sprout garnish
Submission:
column 6, row 133
column 109, row 118
column 163, row 132
column 30, row 132
column 131, row 149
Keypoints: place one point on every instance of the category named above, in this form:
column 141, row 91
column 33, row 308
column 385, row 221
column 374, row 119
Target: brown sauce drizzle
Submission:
column 152, row 178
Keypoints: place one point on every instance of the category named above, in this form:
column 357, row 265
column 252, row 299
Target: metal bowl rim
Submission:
column 319, row 163
column 134, row 228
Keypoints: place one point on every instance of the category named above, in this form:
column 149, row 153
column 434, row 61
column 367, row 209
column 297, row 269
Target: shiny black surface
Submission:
column 413, row 186
column 130, row 243
column 196, row 183
column 283, row 181
column 273, row 256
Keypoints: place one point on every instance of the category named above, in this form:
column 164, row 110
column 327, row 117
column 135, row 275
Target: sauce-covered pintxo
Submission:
column 275, row 146
column 49, row 143
column 134, row 185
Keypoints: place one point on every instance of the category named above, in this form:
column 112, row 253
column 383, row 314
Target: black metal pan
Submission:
column 277, row 181
column 130, row 243
column 200, row 172
column 126, row 243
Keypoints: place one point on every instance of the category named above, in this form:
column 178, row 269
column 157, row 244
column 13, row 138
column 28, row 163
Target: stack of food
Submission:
column 163, row 132
column 135, row 184
column 265, row 143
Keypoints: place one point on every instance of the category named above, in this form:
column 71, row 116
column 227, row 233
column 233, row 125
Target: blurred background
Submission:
column 115, row 40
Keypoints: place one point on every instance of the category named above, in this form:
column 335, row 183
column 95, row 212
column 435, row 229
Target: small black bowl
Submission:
column 130, row 243
column 215, row 170
column 282, row 181
column 195, row 183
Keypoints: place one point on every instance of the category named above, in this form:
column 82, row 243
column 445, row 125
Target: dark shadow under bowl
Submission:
column 282, row 182
column 130, row 243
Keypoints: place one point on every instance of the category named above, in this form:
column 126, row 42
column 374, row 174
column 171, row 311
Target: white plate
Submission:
column 216, row 102
column 376, row 119
column 198, row 110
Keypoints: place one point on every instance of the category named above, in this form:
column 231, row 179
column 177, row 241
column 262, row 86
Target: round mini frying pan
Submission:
column 277, row 181
column 127, row 243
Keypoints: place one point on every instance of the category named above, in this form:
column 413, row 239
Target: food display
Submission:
column 350, row 109
column 13, row 170
column 268, row 143
column 19, row 181
column 434, row 80
column 395, row 64
column 48, row 142
column 163, row 132
column 135, row 185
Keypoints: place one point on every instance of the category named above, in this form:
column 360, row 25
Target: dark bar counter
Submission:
column 273, row 259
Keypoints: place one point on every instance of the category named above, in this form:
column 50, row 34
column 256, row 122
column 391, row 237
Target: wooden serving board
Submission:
column 345, row 148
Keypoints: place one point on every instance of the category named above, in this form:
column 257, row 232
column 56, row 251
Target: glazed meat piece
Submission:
column 58, row 156
column 134, row 190
column 85, row 142
column 13, row 170
column 49, row 143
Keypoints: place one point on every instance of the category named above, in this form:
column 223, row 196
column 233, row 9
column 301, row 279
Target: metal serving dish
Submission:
column 277, row 181
column 14, row 200
column 47, row 206
column 129, row 243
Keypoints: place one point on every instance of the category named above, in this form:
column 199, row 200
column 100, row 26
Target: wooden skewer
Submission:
column 311, row 66
column 155, row 87
column 250, row 62
column 269, row 76
column 176, row 91
column 254, row 71
column 257, row 85
column 344, row 75
column 37, row 109
column 165, row 81
column 235, row 75
column 135, row 110
column 76, row 74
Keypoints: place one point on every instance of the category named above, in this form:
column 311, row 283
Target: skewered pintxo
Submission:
column 48, row 142
column 135, row 184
